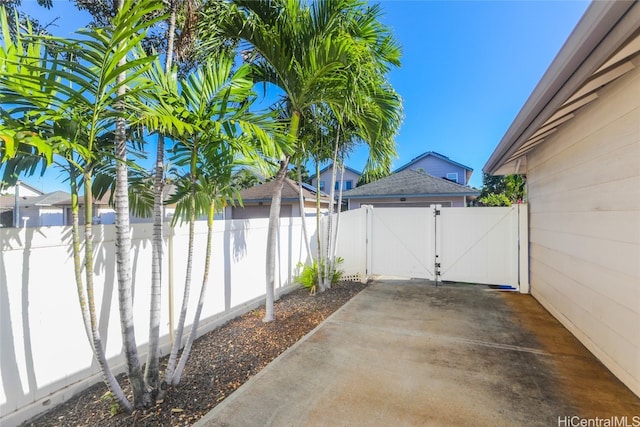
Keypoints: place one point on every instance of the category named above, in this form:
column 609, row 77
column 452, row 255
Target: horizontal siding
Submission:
column 584, row 201
column 440, row 168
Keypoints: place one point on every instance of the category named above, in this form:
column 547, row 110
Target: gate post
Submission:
column 368, row 211
column 523, row 249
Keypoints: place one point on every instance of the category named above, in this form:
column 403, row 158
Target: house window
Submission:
column 321, row 185
column 452, row 176
column 347, row 185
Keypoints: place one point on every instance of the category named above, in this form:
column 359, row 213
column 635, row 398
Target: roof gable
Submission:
column 330, row 165
column 264, row 192
column 434, row 154
column 410, row 183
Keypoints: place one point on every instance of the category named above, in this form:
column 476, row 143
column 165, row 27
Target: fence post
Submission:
column 523, row 249
column 368, row 211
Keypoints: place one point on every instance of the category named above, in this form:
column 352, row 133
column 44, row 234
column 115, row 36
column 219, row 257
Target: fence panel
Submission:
column 402, row 242
column 45, row 356
column 479, row 245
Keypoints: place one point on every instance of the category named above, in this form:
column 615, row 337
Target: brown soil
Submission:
column 220, row 362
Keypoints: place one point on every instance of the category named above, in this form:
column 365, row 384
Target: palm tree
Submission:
column 298, row 47
column 215, row 102
column 72, row 105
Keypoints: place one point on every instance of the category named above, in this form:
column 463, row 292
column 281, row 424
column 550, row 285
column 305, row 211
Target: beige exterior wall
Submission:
column 584, row 201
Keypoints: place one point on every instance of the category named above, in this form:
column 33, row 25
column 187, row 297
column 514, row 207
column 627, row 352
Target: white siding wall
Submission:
column 584, row 199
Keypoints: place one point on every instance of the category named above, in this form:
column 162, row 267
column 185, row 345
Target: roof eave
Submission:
column 601, row 30
column 426, row 195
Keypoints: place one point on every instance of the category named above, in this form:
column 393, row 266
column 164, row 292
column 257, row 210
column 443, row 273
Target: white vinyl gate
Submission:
column 475, row 245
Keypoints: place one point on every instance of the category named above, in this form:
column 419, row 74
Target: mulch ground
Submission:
column 220, row 362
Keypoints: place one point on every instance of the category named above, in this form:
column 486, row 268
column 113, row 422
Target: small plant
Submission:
column 308, row 277
column 308, row 274
column 114, row 406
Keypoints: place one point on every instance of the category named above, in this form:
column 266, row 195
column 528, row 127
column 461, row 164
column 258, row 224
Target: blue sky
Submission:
column 467, row 69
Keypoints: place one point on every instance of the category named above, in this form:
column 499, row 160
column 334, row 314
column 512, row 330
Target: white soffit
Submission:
column 629, row 49
column 551, row 125
column 571, row 107
column 602, row 79
column 582, row 97
column 513, row 166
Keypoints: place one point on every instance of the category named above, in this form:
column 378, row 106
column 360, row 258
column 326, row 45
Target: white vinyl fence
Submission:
column 45, row 356
column 475, row 245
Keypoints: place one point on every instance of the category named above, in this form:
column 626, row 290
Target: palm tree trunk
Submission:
column 77, row 262
column 272, row 239
column 305, row 234
column 337, row 225
column 141, row 397
column 328, row 265
column 96, row 339
column 184, row 357
column 177, row 343
column 318, row 220
column 152, row 369
column 274, row 225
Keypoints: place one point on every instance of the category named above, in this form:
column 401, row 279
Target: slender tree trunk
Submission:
column 184, row 357
column 77, row 262
column 305, row 234
column 177, row 343
column 318, row 222
column 334, row 242
column 152, row 369
column 141, row 397
column 328, row 265
column 272, row 240
column 274, row 223
column 96, row 339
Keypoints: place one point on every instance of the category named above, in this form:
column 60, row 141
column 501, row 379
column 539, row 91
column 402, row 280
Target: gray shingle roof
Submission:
column 264, row 192
column 410, row 183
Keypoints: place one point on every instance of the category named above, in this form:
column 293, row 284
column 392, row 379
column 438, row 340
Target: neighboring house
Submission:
column 439, row 166
column 8, row 201
column 24, row 190
column 577, row 139
column 257, row 201
column 409, row 188
column 34, row 211
column 104, row 213
column 349, row 180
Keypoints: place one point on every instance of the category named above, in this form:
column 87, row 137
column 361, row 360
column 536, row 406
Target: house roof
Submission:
column 434, row 154
column 22, row 184
column 410, row 183
column 50, row 199
column 330, row 165
column 264, row 192
column 597, row 52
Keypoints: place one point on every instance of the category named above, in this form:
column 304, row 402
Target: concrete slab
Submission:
column 408, row 353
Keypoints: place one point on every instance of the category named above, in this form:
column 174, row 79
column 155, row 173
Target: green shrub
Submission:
column 308, row 274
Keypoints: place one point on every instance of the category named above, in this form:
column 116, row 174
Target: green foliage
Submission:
column 308, row 276
column 493, row 199
column 502, row 190
column 114, row 406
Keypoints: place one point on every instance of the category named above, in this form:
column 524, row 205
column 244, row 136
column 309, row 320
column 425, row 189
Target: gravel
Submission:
column 220, row 362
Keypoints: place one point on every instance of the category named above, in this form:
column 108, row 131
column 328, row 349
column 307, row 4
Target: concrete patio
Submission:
column 408, row 353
